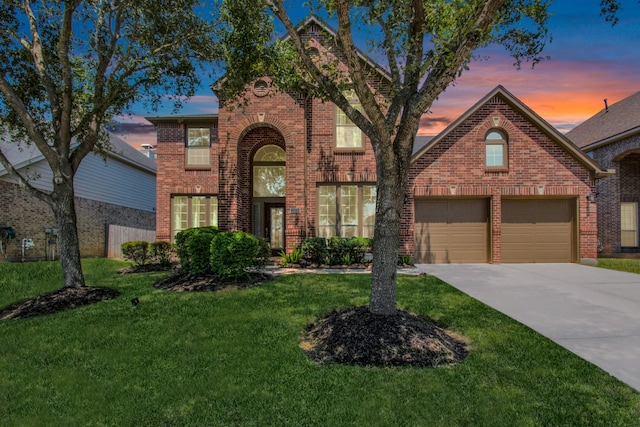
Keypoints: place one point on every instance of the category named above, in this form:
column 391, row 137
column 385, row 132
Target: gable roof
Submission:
column 618, row 121
column 529, row 114
column 305, row 23
column 21, row 154
column 313, row 19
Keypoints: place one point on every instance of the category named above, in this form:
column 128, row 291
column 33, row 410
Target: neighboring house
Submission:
column 118, row 189
column 612, row 137
column 498, row 185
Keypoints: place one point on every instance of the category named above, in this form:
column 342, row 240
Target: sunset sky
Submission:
column 590, row 61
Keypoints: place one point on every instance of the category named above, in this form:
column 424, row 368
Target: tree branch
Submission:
column 354, row 65
column 35, row 48
column 30, row 125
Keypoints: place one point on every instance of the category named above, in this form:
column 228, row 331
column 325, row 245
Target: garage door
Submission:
column 538, row 230
column 451, row 231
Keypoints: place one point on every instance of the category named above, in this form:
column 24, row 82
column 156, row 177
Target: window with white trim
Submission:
column 198, row 148
column 193, row 211
column 629, row 224
column 348, row 135
column 495, row 149
column 346, row 210
column 269, row 172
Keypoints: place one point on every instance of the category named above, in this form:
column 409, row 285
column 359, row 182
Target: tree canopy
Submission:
column 68, row 67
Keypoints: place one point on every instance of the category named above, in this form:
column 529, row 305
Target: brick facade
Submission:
column 537, row 167
column 541, row 164
column 623, row 186
column 29, row 217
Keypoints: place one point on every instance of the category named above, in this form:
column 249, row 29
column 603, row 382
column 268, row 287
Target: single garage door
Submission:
column 538, row 230
column 451, row 231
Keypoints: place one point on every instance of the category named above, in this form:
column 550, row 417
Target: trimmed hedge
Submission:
column 234, row 252
column 161, row 252
column 184, row 241
column 136, row 251
column 335, row 250
column 314, row 250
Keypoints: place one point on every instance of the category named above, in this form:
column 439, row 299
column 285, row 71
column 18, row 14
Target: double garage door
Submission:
column 458, row 230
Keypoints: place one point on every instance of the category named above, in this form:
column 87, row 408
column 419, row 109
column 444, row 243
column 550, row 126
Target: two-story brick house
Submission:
column 498, row 185
column 612, row 137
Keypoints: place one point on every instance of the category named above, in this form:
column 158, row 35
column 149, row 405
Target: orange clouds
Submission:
column 564, row 93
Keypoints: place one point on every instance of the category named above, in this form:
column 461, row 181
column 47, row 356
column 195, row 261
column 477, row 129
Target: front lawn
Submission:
column 232, row 358
column 631, row 265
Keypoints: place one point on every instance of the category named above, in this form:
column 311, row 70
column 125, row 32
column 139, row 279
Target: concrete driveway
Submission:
column 593, row 312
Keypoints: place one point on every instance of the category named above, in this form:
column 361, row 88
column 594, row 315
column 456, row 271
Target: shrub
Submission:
column 136, row 251
column 405, row 259
column 182, row 243
column 233, row 253
column 350, row 250
column 161, row 252
column 264, row 253
column 314, row 250
column 292, row 258
column 198, row 247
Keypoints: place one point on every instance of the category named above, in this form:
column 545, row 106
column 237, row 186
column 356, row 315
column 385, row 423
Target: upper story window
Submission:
column 495, row 150
column 198, row 150
column 348, row 135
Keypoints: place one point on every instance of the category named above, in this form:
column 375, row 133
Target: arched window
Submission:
column 495, row 149
column 269, row 172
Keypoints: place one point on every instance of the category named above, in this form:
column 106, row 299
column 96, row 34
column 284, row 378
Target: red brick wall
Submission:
column 305, row 129
column 623, row 186
column 537, row 167
column 174, row 178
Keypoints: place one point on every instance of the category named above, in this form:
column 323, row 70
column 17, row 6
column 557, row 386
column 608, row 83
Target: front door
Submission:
column 274, row 226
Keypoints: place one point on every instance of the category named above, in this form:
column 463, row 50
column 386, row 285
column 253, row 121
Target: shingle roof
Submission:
column 620, row 118
column 21, row 154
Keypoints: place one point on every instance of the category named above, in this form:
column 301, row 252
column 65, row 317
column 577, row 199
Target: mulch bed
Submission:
column 182, row 282
column 147, row 268
column 354, row 336
column 358, row 337
column 54, row 302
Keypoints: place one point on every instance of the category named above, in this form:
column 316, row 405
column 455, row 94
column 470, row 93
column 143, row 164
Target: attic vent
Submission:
column 260, row 88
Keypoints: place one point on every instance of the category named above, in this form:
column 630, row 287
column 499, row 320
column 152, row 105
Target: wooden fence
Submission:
column 118, row 234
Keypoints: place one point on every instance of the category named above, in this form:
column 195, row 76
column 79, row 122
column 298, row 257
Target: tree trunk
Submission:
column 64, row 210
column 390, row 197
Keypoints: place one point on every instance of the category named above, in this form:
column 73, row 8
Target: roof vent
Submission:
column 606, row 106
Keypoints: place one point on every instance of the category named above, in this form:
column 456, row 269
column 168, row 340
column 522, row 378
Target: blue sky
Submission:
column 590, row 61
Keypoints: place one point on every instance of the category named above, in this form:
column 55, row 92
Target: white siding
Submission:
column 116, row 183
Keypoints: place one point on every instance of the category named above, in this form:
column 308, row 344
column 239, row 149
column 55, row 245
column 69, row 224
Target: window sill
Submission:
column 197, row 168
column 496, row 169
column 348, row 150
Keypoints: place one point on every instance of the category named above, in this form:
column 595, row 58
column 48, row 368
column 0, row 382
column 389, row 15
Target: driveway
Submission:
column 593, row 312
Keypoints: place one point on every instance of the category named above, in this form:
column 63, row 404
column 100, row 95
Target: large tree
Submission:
column 67, row 67
column 425, row 46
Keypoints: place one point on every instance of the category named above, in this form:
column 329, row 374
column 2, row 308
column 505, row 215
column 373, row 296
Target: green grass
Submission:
column 630, row 265
column 232, row 358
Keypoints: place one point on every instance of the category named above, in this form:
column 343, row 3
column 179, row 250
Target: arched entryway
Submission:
column 268, row 178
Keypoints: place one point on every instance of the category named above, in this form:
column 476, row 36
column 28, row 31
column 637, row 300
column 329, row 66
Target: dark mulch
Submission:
column 358, row 337
column 182, row 282
column 147, row 268
column 54, row 302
